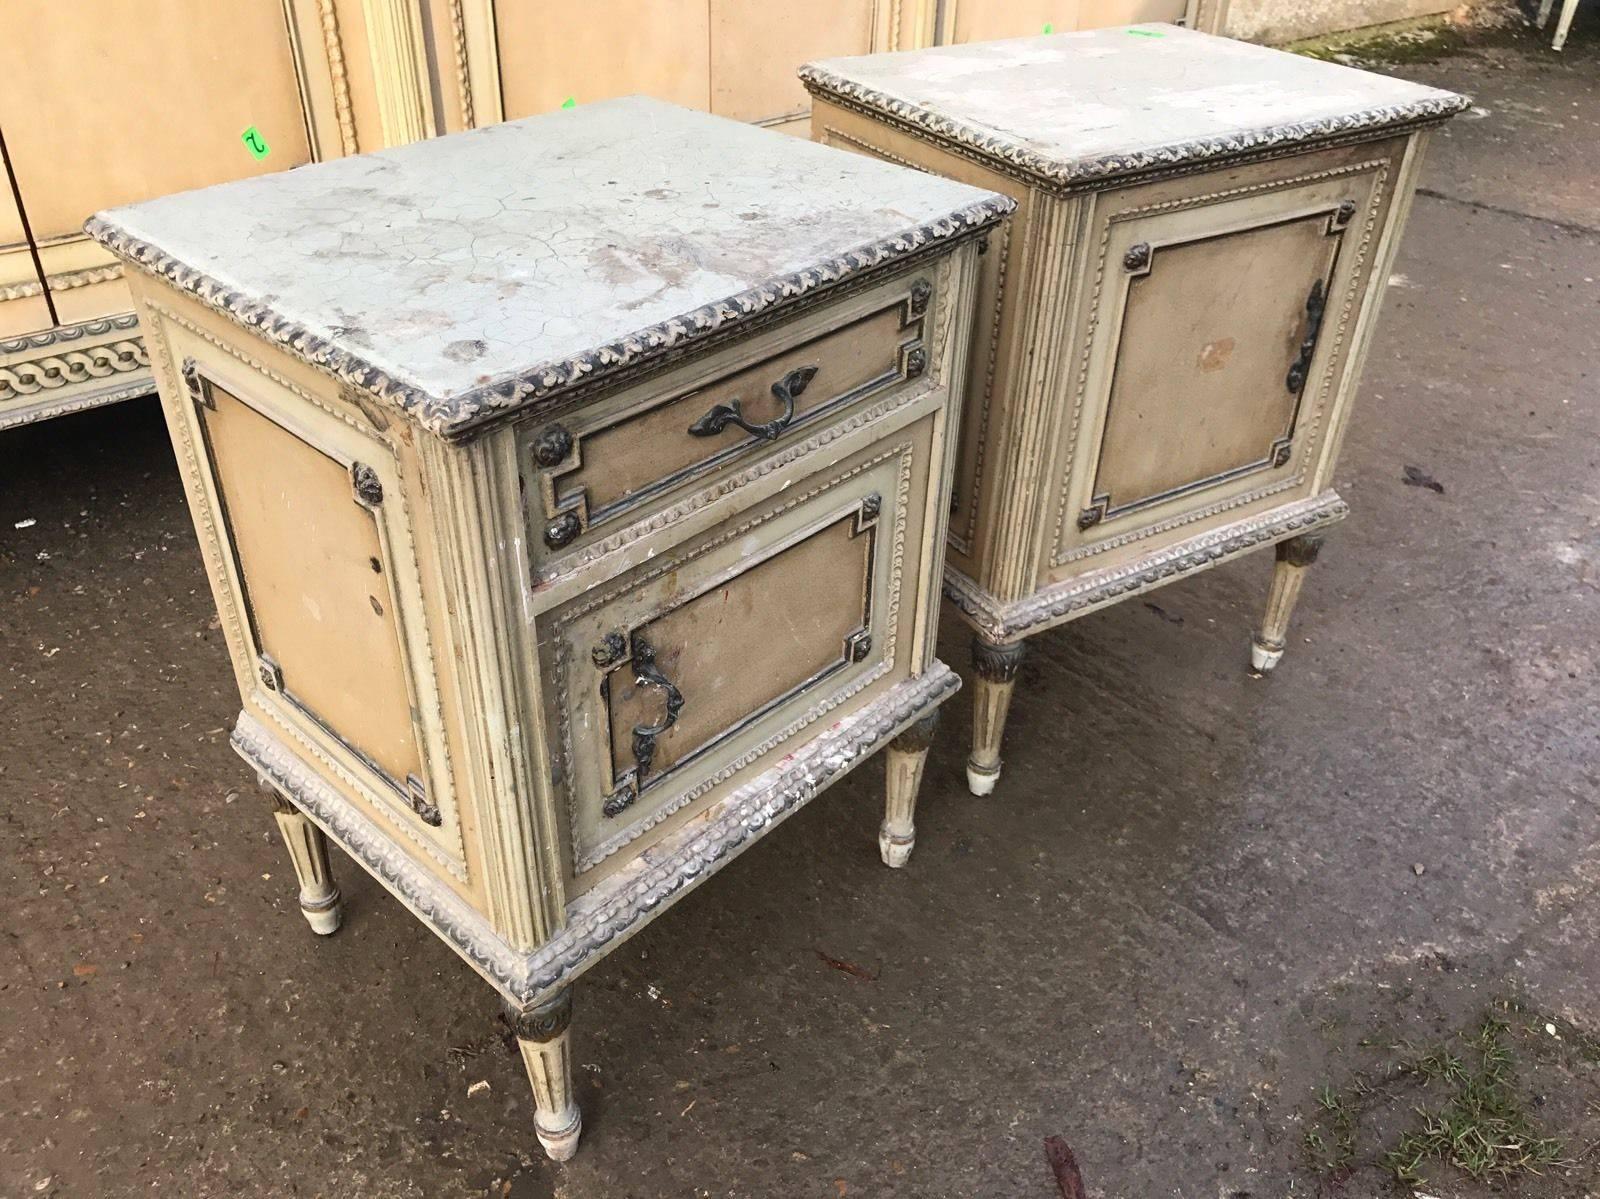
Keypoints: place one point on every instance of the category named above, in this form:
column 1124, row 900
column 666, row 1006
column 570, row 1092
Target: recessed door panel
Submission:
column 689, row 673
column 756, row 49
column 1204, row 384
column 1214, row 328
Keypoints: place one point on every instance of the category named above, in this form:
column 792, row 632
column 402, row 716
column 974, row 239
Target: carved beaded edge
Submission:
column 606, row 914
column 1056, row 172
column 452, row 416
column 1003, row 622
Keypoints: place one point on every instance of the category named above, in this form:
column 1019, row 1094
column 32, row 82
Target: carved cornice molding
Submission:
column 68, row 333
column 1002, row 622
column 66, row 365
column 1018, row 158
column 634, row 896
column 62, row 282
column 456, row 416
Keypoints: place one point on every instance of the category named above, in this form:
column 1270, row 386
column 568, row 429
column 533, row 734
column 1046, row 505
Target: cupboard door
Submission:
column 552, row 53
column 756, row 49
column 1216, row 342
column 691, row 673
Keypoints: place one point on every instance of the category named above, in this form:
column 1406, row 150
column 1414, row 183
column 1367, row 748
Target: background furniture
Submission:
column 1569, row 9
column 105, row 103
column 1170, row 330
column 574, row 508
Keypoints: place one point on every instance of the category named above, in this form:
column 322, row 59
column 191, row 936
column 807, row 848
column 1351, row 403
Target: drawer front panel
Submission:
column 1214, row 343
column 599, row 467
column 685, row 673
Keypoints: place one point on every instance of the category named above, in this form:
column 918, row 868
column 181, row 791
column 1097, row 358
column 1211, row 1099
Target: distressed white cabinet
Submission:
column 1171, row 329
column 574, row 494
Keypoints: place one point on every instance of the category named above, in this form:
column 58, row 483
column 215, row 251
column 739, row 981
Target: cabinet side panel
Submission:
column 1000, row 279
column 312, row 566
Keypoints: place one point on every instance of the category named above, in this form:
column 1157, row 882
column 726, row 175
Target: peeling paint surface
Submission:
column 1063, row 104
column 446, row 266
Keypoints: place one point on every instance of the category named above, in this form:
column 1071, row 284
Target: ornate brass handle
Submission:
column 723, row 415
column 645, row 674
column 1316, row 305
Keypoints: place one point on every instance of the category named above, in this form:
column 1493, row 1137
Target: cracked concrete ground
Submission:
column 1193, row 905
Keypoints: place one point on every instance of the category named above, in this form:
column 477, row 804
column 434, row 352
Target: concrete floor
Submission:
column 1193, row 904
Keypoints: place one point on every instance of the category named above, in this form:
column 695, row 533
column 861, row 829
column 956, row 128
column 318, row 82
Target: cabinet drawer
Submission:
column 686, row 674
column 614, row 461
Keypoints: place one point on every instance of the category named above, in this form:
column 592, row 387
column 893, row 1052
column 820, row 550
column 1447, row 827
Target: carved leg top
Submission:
column 997, row 663
column 544, row 1021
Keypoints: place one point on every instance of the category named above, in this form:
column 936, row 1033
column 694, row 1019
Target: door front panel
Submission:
column 1213, row 341
column 687, row 675
column 1202, row 389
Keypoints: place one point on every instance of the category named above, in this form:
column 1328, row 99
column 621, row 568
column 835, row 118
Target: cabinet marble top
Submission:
column 1078, row 107
column 467, row 276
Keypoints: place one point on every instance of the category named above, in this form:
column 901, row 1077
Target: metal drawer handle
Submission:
column 1316, row 305
column 645, row 674
column 723, row 415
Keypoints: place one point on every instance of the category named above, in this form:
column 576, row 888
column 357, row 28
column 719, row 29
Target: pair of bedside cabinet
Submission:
column 575, row 492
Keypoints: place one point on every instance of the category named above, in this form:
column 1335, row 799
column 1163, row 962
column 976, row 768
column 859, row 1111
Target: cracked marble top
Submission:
column 1073, row 107
column 470, row 275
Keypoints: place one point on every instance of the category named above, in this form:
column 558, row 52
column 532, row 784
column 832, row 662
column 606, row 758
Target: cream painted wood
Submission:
column 308, row 853
column 538, row 748
column 1294, row 558
column 985, row 20
column 396, row 43
column 547, row 1054
column 1181, row 308
column 308, row 75
column 904, row 761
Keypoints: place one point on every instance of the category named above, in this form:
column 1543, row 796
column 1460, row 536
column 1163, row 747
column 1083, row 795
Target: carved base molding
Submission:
column 999, row 622
column 70, row 368
column 624, row 903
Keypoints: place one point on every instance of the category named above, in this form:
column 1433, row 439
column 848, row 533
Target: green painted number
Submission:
column 255, row 143
column 570, row 102
column 1049, row 28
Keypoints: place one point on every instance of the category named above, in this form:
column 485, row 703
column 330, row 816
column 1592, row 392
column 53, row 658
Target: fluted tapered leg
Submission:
column 996, row 667
column 1295, row 557
column 308, row 850
column 546, row 1052
column 907, row 754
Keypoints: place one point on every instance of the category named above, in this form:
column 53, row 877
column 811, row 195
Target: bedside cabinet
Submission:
column 1171, row 328
column 574, row 495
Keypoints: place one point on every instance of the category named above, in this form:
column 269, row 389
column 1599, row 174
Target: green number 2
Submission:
column 255, row 143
